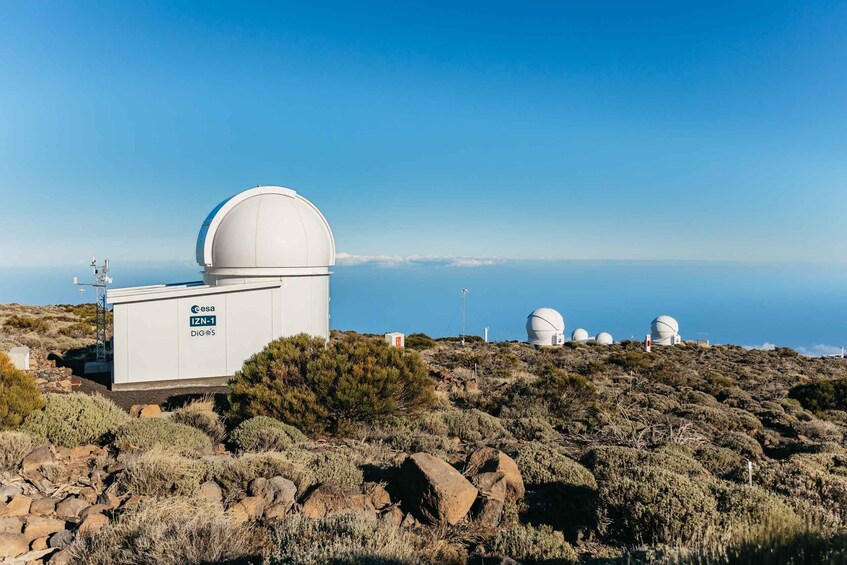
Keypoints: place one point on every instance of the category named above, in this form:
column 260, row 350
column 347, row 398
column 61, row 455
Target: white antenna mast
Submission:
column 464, row 296
column 101, row 281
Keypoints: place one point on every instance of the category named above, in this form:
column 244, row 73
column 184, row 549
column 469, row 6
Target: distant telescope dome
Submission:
column 604, row 338
column 545, row 326
column 664, row 330
column 267, row 230
column 580, row 335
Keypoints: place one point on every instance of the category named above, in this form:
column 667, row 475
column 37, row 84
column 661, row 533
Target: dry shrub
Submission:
column 530, row 545
column 18, row 394
column 201, row 414
column 234, row 474
column 533, row 428
column 146, row 433
column 171, row 531
column 13, row 447
column 160, row 472
column 541, row 464
column 336, row 467
column 468, row 425
column 262, row 433
column 348, row 539
column 611, row 462
column 812, row 478
column 752, row 514
column 69, row 420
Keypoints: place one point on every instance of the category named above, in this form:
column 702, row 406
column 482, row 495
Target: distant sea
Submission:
column 803, row 306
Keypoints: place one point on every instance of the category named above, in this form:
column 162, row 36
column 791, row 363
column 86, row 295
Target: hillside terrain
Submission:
column 443, row 453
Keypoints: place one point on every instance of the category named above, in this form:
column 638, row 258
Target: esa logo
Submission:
column 197, row 309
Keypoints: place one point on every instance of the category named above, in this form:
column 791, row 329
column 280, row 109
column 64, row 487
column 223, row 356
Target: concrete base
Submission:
column 97, row 367
column 177, row 383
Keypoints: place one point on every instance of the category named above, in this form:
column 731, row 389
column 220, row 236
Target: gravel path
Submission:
column 171, row 397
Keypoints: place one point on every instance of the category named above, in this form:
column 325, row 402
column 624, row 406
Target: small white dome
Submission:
column 580, row 335
column 265, row 230
column 664, row 326
column 604, row 338
column 545, row 326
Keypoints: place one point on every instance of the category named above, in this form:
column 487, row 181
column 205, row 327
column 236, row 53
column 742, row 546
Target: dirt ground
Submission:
column 169, row 398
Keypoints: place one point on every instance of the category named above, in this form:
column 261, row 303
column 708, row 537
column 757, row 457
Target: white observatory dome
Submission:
column 579, row 335
column 265, row 231
column 604, row 338
column 545, row 326
column 664, row 330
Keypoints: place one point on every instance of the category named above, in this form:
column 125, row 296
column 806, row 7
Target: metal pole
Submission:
column 464, row 294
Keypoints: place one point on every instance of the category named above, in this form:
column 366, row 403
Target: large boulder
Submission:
column 488, row 508
column 40, row 526
column 329, row 499
column 277, row 492
column 490, row 460
column 12, row 545
column 434, row 491
column 36, row 458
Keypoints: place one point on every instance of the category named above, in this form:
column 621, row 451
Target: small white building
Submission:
column 266, row 254
column 395, row 339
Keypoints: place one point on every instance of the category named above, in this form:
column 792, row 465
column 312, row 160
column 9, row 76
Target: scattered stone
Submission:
column 43, row 506
column 248, row 508
column 36, row 458
column 94, row 509
column 131, row 502
column 393, row 516
column 89, row 494
column 71, row 507
column 61, row 558
column 408, row 521
column 490, row 460
column 379, row 496
column 40, row 526
column 12, row 545
column 145, row 410
column 61, row 539
column 17, row 506
column 8, row 491
column 11, row 525
column 434, row 491
column 39, row 543
column 329, row 499
column 92, row 524
column 211, row 491
column 111, row 499
column 488, row 508
column 278, row 493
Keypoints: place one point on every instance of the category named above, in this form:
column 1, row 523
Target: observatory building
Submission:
column 664, row 330
column 545, row 326
column 579, row 335
column 266, row 254
column 604, row 338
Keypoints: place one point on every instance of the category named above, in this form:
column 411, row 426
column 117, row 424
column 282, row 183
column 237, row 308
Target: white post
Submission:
column 464, row 294
column 749, row 472
column 486, row 334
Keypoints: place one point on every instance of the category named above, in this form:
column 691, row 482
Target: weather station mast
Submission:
column 100, row 284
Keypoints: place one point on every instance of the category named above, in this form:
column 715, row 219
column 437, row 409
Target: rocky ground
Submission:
column 580, row 453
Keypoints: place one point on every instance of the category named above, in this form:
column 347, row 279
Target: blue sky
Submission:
column 545, row 130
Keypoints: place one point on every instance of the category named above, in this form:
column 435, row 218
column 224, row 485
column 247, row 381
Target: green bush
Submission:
column 160, row 472
column 567, row 394
column 655, row 506
column 78, row 329
column 821, row 395
column 610, row 461
column 146, row 433
column 530, row 545
column 419, row 341
column 13, row 447
column 69, row 420
column 206, row 421
column 753, row 514
column 26, row 323
column 262, row 433
column 468, row 425
column 320, row 387
column 347, row 539
column 334, row 467
column 18, row 394
column 543, row 465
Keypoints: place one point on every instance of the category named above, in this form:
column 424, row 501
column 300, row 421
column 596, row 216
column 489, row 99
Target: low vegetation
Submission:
column 18, row 394
column 602, row 455
column 74, row 419
column 321, row 388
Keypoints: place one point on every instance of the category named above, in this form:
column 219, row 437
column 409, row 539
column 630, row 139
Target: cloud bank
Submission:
column 409, row 260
